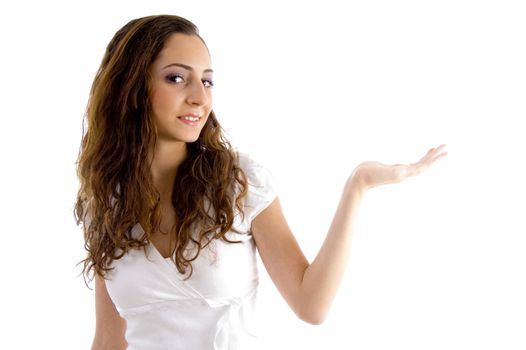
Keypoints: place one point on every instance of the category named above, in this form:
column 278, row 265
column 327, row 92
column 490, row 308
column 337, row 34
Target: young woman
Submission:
column 172, row 215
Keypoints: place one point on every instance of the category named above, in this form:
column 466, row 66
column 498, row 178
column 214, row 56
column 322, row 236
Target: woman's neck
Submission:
column 167, row 159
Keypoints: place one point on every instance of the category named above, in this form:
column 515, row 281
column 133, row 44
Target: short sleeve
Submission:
column 261, row 186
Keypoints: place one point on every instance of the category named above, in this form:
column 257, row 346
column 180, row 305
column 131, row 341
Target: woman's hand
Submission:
column 371, row 174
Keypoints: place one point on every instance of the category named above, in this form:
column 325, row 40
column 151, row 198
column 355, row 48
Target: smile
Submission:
column 192, row 119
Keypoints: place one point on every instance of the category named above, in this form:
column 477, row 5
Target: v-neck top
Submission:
column 214, row 308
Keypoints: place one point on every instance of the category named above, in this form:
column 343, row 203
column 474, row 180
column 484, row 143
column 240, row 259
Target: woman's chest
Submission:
column 221, row 271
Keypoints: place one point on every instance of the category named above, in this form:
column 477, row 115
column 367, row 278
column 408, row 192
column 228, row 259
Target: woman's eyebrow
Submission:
column 187, row 67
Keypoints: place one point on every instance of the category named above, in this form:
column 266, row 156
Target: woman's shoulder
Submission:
column 246, row 160
column 251, row 162
column 255, row 170
column 261, row 183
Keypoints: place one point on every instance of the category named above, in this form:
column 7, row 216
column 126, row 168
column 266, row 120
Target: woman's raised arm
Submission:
column 309, row 289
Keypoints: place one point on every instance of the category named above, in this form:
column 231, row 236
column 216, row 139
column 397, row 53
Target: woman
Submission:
column 172, row 215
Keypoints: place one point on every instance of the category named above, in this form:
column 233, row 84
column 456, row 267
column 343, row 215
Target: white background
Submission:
column 310, row 89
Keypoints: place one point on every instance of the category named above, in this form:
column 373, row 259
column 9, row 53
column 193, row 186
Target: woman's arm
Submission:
column 110, row 327
column 309, row 289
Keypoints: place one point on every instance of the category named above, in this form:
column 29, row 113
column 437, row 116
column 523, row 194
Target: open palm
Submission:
column 374, row 174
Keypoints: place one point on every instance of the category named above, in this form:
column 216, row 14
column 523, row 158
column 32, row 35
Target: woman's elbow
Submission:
column 313, row 317
column 108, row 343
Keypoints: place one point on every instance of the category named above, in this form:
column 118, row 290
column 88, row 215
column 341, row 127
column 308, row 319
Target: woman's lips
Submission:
column 190, row 119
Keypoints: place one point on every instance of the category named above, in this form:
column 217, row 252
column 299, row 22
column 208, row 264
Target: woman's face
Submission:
column 181, row 96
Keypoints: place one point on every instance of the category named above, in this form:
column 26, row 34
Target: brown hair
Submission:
column 116, row 188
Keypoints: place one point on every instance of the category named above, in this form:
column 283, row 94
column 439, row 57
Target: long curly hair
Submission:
column 116, row 187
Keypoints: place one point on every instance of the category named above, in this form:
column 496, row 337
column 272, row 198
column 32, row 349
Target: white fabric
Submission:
column 213, row 309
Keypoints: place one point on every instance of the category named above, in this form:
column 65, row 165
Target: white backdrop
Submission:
column 310, row 89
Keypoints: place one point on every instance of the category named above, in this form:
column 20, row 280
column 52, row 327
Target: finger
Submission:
column 427, row 157
column 437, row 149
column 441, row 155
column 426, row 161
column 434, row 153
column 430, row 157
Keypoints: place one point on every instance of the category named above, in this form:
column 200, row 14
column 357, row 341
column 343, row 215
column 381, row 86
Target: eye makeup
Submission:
column 177, row 78
column 173, row 77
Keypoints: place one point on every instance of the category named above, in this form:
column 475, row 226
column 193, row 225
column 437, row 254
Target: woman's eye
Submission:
column 175, row 78
column 208, row 83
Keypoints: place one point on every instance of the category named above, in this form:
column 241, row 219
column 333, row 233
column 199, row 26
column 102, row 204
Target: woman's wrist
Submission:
column 355, row 183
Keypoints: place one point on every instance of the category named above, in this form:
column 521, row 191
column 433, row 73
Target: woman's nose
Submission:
column 197, row 94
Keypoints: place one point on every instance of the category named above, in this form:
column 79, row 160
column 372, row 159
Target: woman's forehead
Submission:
column 185, row 49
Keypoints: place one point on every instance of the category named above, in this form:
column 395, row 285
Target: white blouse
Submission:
column 214, row 308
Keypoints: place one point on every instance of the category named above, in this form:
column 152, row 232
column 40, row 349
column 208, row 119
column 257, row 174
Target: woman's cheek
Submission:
column 162, row 101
